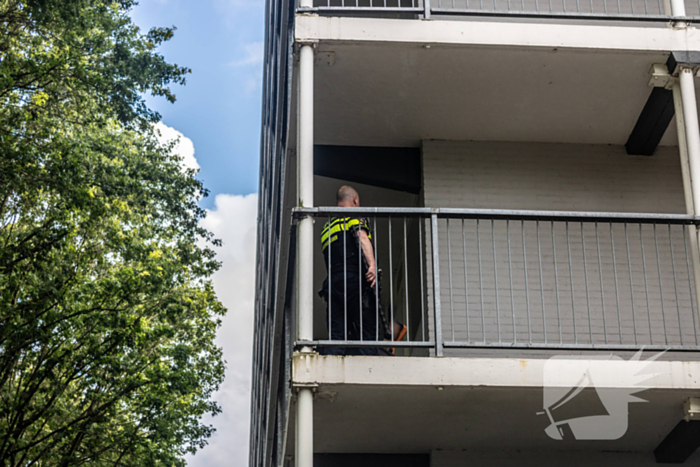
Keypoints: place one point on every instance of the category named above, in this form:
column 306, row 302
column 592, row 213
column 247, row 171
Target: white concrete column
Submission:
column 304, row 455
column 689, row 147
column 305, row 157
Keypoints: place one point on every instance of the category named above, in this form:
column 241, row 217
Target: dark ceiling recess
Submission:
column 372, row 460
column 680, row 443
column 652, row 123
column 393, row 168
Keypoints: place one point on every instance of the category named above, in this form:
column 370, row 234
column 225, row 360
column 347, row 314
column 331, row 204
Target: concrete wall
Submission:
column 577, row 300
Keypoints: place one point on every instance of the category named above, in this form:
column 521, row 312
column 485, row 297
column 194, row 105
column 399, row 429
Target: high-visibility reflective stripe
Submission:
column 333, row 238
column 340, row 225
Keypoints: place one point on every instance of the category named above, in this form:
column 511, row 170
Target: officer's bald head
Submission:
column 347, row 196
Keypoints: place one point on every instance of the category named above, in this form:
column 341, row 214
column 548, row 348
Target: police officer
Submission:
column 349, row 257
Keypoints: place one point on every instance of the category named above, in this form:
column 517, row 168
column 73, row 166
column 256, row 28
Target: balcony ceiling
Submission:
column 399, row 94
column 415, row 405
column 353, row 419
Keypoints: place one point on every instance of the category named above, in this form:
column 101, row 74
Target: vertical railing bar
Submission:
column 330, row 236
column 405, row 270
column 481, row 282
column 510, row 276
column 376, row 282
column 602, row 290
column 571, row 280
column 605, row 6
column 466, row 282
column 585, row 280
column 539, row 257
column 591, row 2
column 527, row 288
column 436, row 285
column 646, row 286
column 619, row 11
column 449, row 275
column 617, row 291
column 360, row 277
column 675, row 283
column 690, row 282
column 646, row 9
column 345, row 273
column 556, row 280
column 391, row 279
column 495, row 279
column 629, row 266
column 422, row 284
column 661, row 287
column 508, row 5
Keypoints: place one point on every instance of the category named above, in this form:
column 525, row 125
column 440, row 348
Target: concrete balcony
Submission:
column 489, row 411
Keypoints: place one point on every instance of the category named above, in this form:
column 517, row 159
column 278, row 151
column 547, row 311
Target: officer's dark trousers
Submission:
column 348, row 319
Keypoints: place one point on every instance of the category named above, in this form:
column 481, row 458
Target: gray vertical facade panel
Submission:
column 270, row 386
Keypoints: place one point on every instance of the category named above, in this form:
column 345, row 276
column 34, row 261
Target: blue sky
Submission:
column 219, row 108
column 217, row 118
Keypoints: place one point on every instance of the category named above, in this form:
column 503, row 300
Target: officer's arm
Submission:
column 369, row 256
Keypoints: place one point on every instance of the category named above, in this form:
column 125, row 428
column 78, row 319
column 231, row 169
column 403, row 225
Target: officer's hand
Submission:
column 371, row 275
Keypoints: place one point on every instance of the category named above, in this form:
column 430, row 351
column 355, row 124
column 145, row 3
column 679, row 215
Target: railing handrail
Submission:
column 502, row 14
column 428, row 9
column 503, row 214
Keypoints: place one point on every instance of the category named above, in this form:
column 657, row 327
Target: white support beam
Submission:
column 490, row 372
column 495, row 33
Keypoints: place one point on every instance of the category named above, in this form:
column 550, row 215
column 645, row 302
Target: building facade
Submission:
column 529, row 171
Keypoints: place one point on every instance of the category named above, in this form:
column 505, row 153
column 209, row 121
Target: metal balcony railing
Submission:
column 461, row 278
column 633, row 10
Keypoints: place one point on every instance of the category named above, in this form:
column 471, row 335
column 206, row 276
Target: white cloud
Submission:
column 184, row 147
column 252, row 55
column 233, row 220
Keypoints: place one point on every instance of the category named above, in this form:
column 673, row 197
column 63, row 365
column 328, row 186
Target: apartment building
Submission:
column 530, row 174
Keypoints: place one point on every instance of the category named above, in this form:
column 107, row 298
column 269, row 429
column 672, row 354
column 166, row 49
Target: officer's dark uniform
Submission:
column 351, row 313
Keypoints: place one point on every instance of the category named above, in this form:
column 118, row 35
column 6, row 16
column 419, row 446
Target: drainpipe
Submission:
column 689, row 145
column 305, row 155
column 687, row 187
column 678, row 10
column 305, row 428
column 304, row 455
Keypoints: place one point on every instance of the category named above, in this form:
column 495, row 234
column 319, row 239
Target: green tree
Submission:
column 107, row 314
